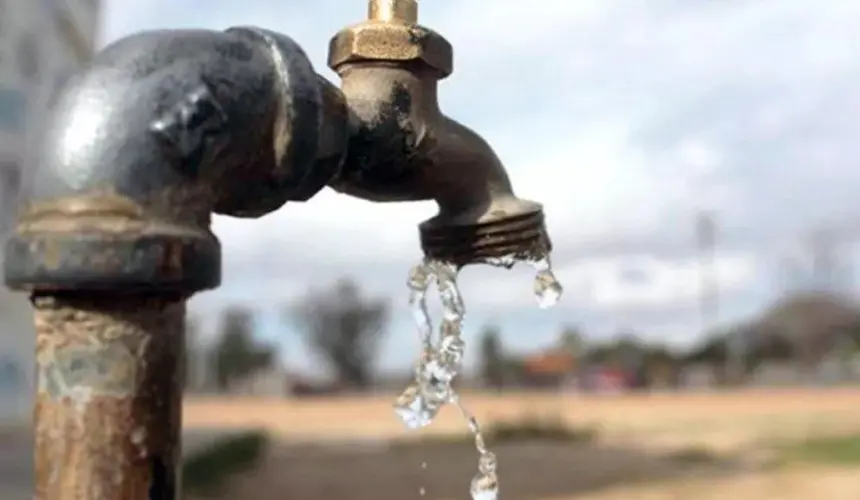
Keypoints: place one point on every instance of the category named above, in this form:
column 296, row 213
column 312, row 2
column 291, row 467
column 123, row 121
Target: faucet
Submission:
column 403, row 148
column 161, row 130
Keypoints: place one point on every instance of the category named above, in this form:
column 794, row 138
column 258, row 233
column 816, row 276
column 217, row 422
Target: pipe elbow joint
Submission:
column 161, row 130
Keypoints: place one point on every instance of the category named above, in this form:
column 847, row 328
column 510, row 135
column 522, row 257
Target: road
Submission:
column 16, row 459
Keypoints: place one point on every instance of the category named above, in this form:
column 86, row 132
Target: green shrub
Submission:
column 533, row 428
column 526, row 428
column 207, row 470
column 693, row 455
column 843, row 450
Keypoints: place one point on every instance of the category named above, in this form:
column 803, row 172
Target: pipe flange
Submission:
column 107, row 244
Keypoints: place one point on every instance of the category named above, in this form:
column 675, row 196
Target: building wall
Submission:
column 41, row 42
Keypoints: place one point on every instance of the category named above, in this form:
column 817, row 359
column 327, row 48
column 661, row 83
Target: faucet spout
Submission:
column 403, row 148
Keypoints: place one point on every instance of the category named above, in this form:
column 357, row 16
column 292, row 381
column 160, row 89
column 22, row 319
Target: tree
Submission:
column 571, row 341
column 772, row 346
column 344, row 327
column 237, row 355
column 659, row 366
column 492, row 358
column 625, row 352
column 712, row 350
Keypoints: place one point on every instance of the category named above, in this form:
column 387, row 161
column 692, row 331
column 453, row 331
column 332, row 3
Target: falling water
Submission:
column 422, row 491
column 441, row 362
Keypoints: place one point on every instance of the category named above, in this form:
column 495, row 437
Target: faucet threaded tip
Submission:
column 522, row 237
column 402, row 11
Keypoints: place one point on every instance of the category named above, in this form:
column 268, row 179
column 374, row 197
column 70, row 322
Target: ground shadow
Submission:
column 378, row 471
column 528, row 470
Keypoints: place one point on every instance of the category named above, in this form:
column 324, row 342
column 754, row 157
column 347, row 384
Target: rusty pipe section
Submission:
column 108, row 403
column 161, row 130
column 402, row 147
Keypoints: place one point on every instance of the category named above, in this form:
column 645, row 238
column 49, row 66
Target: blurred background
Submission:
column 697, row 165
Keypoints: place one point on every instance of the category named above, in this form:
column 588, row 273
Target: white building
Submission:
column 41, row 42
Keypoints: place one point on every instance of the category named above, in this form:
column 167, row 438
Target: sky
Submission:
column 625, row 118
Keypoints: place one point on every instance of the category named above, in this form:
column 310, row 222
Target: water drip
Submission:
column 547, row 289
column 485, row 484
column 440, row 363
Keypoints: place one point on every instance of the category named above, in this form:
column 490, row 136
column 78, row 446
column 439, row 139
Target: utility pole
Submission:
column 705, row 243
column 824, row 260
column 709, row 293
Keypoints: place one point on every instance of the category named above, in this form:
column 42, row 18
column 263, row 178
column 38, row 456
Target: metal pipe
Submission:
column 404, row 11
column 109, row 402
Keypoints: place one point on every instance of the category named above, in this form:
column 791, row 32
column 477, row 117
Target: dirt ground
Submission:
column 632, row 460
column 719, row 419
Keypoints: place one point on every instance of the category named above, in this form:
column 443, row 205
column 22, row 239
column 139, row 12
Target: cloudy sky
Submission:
column 624, row 117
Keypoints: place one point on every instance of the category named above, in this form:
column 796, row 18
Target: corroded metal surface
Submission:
column 103, row 241
column 108, row 405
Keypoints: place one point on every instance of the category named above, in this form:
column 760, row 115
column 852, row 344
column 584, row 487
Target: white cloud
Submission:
column 648, row 282
column 626, row 283
column 701, row 158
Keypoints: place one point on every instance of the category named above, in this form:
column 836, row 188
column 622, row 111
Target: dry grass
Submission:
column 741, row 414
column 718, row 422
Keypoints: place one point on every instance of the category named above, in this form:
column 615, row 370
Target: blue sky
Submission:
column 624, row 117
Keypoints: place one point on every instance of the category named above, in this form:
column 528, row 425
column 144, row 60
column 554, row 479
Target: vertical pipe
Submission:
column 108, row 403
column 404, row 11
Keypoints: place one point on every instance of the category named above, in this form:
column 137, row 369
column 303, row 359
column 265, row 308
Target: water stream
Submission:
column 441, row 361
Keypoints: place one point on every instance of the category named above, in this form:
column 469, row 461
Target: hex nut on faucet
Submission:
column 387, row 41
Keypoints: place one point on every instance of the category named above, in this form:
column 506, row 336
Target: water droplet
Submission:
column 474, row 426
column 416, row 408
column 484, row 487
column 547, row 289
column 422, row 491
column 424, row 465
column 451, row 351
column 419, row 278
column 507, row 261
column 487, row 463
column 452, row 303
column 418, row 305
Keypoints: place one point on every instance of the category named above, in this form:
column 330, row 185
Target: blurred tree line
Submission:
column 341, row 325
column 344, row 328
